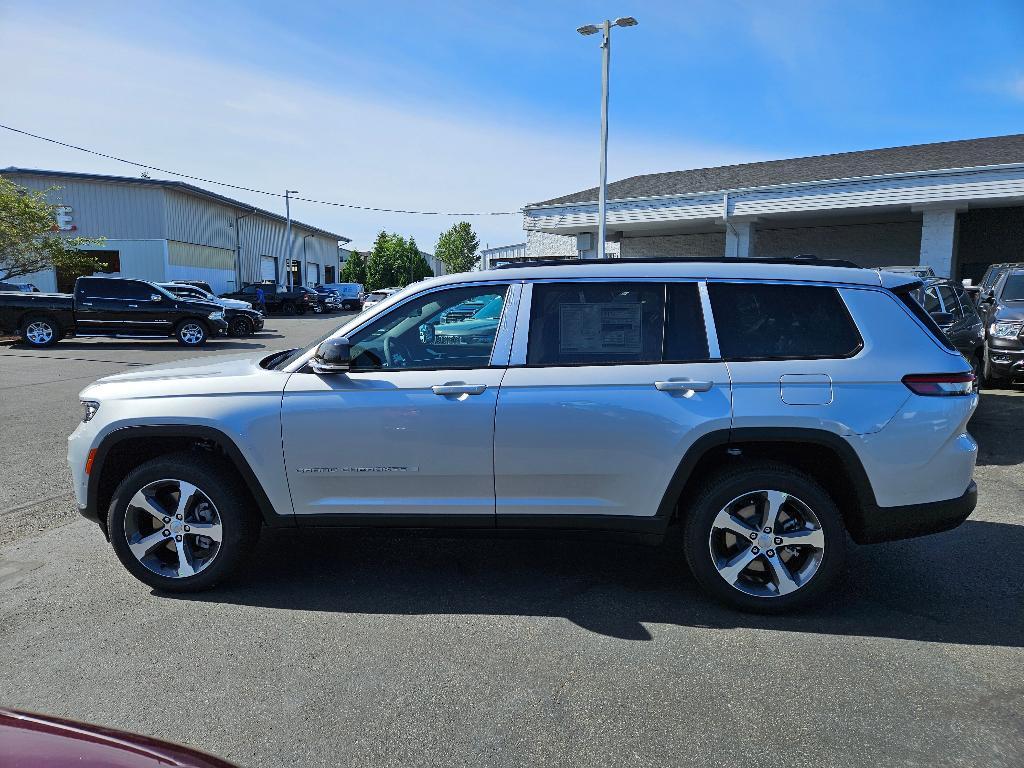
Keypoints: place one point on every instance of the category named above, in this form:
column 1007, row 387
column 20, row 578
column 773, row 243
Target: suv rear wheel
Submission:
column 179, row 524
column 765, row 538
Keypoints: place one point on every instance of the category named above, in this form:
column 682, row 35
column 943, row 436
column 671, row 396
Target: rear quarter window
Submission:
column 762, row 321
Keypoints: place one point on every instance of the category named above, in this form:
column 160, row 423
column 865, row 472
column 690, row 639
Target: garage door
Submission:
column 312, row 273
column 268, row 268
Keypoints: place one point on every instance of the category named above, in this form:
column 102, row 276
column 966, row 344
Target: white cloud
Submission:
column 212, row 118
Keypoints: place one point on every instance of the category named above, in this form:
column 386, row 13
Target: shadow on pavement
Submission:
column 996, row 424
column 962, row 586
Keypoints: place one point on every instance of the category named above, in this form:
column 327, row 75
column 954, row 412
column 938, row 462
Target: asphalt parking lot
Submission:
column 334, row 649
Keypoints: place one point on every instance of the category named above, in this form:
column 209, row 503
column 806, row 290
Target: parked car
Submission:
column 277, row 298
column 375, row 297
column 18, row 287
column 110, row 306
column 955, row 313
column 351, row 294
column 988, row 281
column 242, row 319
column 1002, row 309
column 200, row 284
column 29, row 740
column 320, row 302
column 767, row 408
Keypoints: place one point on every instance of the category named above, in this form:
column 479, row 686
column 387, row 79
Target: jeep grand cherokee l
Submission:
column 768, row 409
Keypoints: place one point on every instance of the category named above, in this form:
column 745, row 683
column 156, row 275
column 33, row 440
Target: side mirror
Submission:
column 155, row 297
column 943, row 318
column 332, row 356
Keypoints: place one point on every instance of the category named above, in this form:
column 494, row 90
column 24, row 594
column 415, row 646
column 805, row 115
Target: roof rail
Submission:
column 798, row 260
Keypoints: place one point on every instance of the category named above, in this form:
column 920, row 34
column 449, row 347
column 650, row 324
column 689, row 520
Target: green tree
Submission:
column 354, row 269
column 457, row 247
column 29, row 240
column 417, row 267
column 385, row 266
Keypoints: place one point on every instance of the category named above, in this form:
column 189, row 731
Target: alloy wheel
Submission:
column 191, row 333
column 39, row 332
column 766, row 543
column 173, row 528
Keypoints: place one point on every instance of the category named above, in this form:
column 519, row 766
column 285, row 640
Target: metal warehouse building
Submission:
column 956, row 206
column 167, row 230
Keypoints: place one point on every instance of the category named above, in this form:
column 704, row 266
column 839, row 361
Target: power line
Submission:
column 251, row 189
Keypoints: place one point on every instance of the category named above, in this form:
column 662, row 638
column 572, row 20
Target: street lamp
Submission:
column 288, row 234
column 606, row 47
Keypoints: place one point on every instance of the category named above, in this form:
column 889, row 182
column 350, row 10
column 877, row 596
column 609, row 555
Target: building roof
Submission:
column 179, row 186
column 967, row 153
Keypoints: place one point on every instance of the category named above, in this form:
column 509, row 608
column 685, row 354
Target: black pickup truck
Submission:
column 276, row 298
column 109, row 306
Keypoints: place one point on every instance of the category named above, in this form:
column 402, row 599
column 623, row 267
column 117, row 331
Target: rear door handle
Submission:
column 458, row 389
column 683, row 385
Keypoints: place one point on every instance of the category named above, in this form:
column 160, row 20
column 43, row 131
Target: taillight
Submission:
column 940, row 384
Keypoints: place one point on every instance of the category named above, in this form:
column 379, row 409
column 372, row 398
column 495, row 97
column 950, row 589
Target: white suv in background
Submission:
column 770, row 409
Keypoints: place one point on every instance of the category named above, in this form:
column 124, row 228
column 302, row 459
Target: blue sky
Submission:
column 488, row 106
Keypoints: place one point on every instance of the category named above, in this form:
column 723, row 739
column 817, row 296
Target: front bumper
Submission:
column 1006, row 357
column 876, row 524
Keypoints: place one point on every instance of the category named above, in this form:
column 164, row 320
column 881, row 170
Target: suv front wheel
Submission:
column 179, row 524
column 764, row 538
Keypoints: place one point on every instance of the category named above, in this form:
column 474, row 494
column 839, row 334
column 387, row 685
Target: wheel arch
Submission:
column 823, row 455
column 127, row 447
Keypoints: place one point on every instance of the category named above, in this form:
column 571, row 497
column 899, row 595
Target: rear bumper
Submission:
column 877, row 524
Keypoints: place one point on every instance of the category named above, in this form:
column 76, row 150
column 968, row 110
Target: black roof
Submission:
column 967, row 153
column 168, row 184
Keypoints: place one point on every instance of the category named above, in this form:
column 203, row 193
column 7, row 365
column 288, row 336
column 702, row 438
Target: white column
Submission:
column 938, row 239
column 739, row 239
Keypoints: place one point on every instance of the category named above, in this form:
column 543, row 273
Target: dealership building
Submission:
column 956, row 206
column 167, row 230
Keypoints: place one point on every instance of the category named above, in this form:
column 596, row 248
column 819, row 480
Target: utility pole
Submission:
column 288, row 234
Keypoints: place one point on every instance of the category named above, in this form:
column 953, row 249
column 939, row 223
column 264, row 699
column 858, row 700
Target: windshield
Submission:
column 377, row 296
column 1013, row 288
column 491, row 310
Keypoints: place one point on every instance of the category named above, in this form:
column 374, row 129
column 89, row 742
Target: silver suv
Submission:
column 768, row 409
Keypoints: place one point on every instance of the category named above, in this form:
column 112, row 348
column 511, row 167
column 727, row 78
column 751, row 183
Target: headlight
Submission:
column 217, row 315
column 89, row 408
column 1006, row 330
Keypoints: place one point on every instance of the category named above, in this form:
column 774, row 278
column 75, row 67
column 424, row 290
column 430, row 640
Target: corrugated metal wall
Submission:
column 199, row 233
column 261, row 236
column 122, row 210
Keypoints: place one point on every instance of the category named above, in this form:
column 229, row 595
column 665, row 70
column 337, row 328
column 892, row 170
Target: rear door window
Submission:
column 594, row 323
column 757, row 321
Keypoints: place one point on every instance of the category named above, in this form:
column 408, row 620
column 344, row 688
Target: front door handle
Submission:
column 683, row 385
column 458, row 389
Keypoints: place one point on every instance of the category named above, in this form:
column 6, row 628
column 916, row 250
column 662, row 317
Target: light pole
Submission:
column 606, row 48
column 288, row 234
column 305, row 264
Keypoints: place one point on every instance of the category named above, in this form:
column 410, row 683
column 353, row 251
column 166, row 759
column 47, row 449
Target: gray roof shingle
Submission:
column 966, row 153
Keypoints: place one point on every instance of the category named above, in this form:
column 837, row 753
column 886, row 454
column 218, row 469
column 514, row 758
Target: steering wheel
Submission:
column 395, row 350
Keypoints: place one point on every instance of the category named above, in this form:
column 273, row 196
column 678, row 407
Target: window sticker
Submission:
column 604, row 328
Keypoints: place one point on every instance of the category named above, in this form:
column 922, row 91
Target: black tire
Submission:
column 191, row 333
column 288, row 308
column 978, row 368
column 45, row 331
column 240, row 326
column 318, row 308
column 730, row 485
column 219, row 483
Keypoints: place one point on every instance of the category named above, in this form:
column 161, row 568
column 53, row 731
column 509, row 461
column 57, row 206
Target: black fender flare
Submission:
column 197, row 433
column 804, row 435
